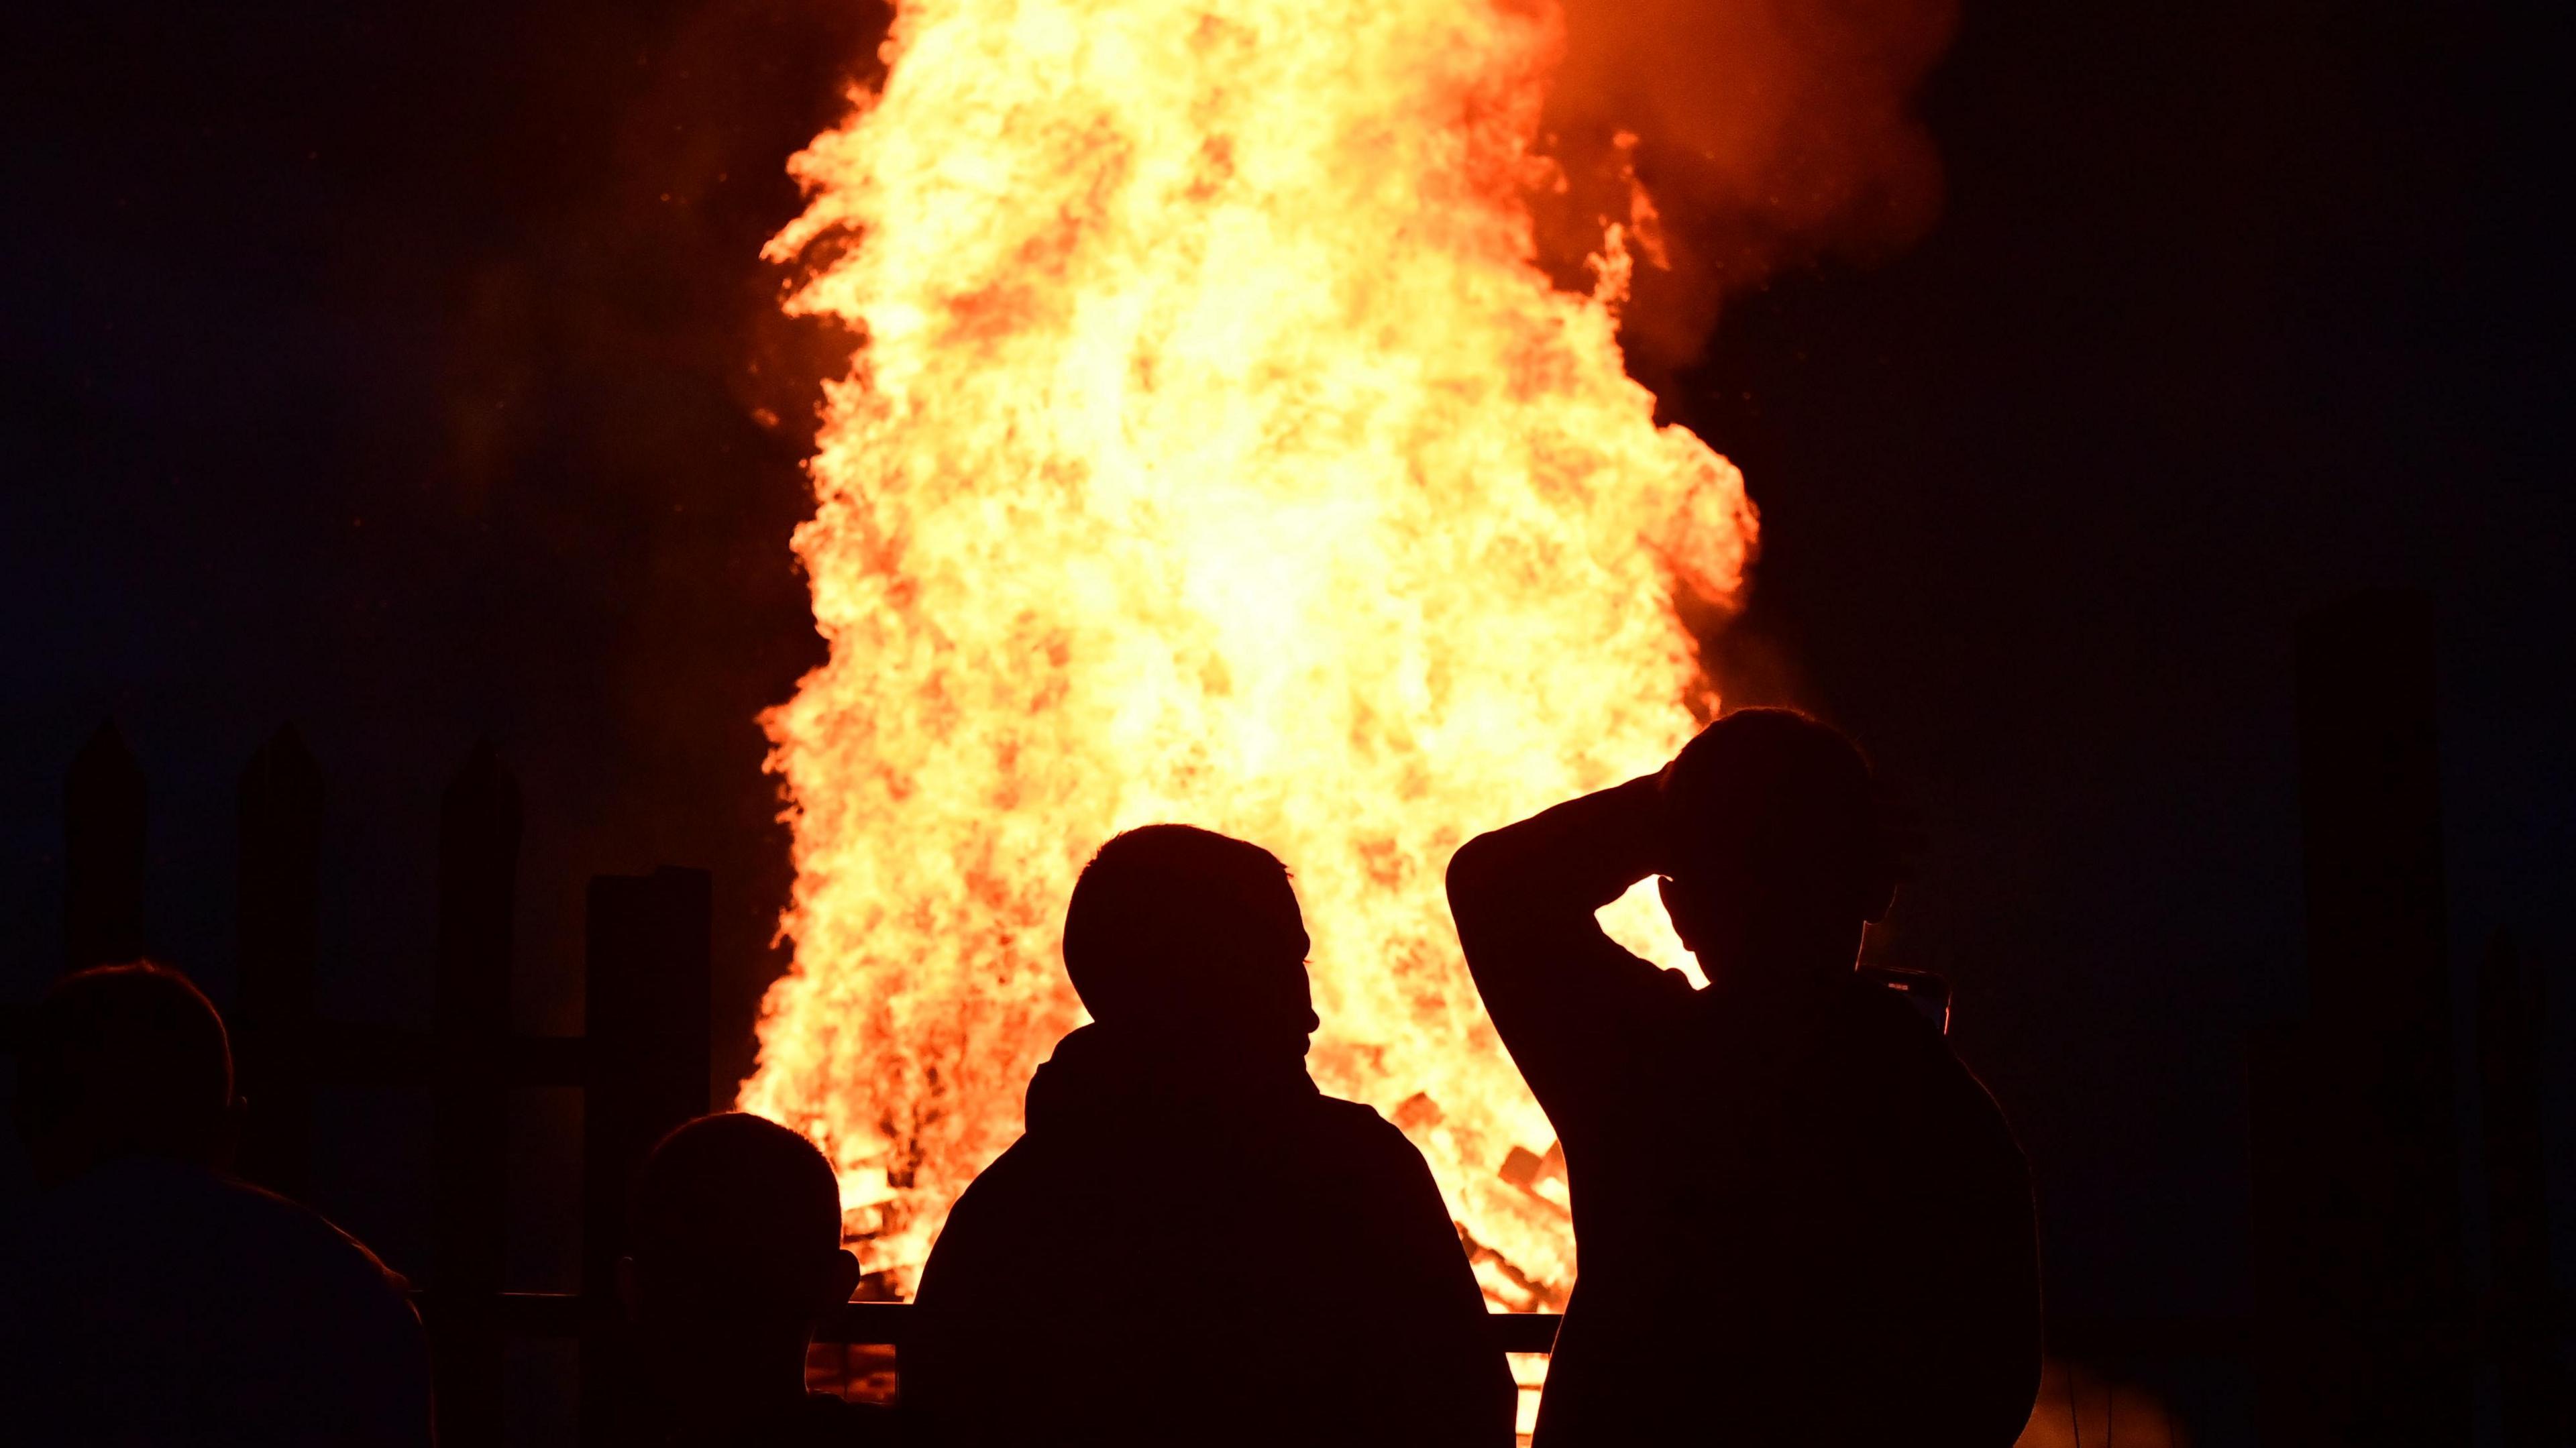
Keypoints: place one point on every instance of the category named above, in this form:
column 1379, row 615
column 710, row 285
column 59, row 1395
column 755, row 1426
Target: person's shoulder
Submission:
column 1013, row 1210
column 219, row 1216
column 1358, row 1130
column 1913, row 1063
column 1354, row 1120
column 1011, row 1177
column 324, row 1256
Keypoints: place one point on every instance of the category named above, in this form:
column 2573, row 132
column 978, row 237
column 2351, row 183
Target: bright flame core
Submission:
column 1216, row 452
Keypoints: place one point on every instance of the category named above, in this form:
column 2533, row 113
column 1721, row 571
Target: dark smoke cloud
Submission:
column 466, row 410
column 1732, row 138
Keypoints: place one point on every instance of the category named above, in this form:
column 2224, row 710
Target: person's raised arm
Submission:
column 1524, row 897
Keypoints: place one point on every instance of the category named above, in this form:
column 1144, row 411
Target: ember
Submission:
column 1217, row 451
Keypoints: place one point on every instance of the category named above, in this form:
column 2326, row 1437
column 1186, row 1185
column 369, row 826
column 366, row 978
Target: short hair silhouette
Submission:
column 121, row 1060
column 734, row 1238
column 1179, row 928
column 736, row 1217
column 1773, row 805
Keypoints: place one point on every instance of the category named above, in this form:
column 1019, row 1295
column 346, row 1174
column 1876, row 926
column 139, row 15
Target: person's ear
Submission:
column 842, row 1279
column 630, row 1288
column 1677, row 909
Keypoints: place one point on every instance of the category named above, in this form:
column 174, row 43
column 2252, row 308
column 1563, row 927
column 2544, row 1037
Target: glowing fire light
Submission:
column 1216, row 452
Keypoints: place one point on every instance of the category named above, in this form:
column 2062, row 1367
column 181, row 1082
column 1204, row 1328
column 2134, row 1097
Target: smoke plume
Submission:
column 1731, row 138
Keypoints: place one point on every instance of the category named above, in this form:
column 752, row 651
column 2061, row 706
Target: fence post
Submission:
column 103, row 849
column 2511, row 1011
column 281, row 853
column 2356, row 1187
column 647, row 1017
column 478, row 859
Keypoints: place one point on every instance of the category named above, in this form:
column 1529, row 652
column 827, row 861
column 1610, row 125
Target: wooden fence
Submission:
column 2363, row 1312
column 642, row 1063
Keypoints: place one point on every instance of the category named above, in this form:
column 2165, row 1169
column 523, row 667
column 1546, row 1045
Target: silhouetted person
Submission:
column 736, row 1228
column 146, row 1297
column 1799, row 1219
column 1191, row 1245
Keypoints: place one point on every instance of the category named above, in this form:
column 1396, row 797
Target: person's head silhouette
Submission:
column 1777, row 853
column 123, row 1060
column 736, row 1233
column 1184, row 934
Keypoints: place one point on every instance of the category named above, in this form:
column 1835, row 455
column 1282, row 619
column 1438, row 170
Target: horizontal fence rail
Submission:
column 2354, row 1229
column 2087, row 1336
column 887, row 1324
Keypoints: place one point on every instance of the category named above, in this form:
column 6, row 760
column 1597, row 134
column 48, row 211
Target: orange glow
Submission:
column 1216, row 453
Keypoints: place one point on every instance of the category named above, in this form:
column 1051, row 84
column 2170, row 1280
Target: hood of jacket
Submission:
column 1101, row 1075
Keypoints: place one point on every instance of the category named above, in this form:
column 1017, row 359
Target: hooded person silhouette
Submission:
column 1191, row 1244
column 1798, row 1218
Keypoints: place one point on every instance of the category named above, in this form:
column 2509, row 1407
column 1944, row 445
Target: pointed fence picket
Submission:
column 2351, row 1106
column 642, row 1064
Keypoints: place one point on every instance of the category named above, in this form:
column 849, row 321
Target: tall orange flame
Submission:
column 1215, row 452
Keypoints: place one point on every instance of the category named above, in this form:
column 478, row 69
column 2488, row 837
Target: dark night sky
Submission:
column 390, row 370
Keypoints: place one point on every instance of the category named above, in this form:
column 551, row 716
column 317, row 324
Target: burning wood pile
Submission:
column 1218, row 450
